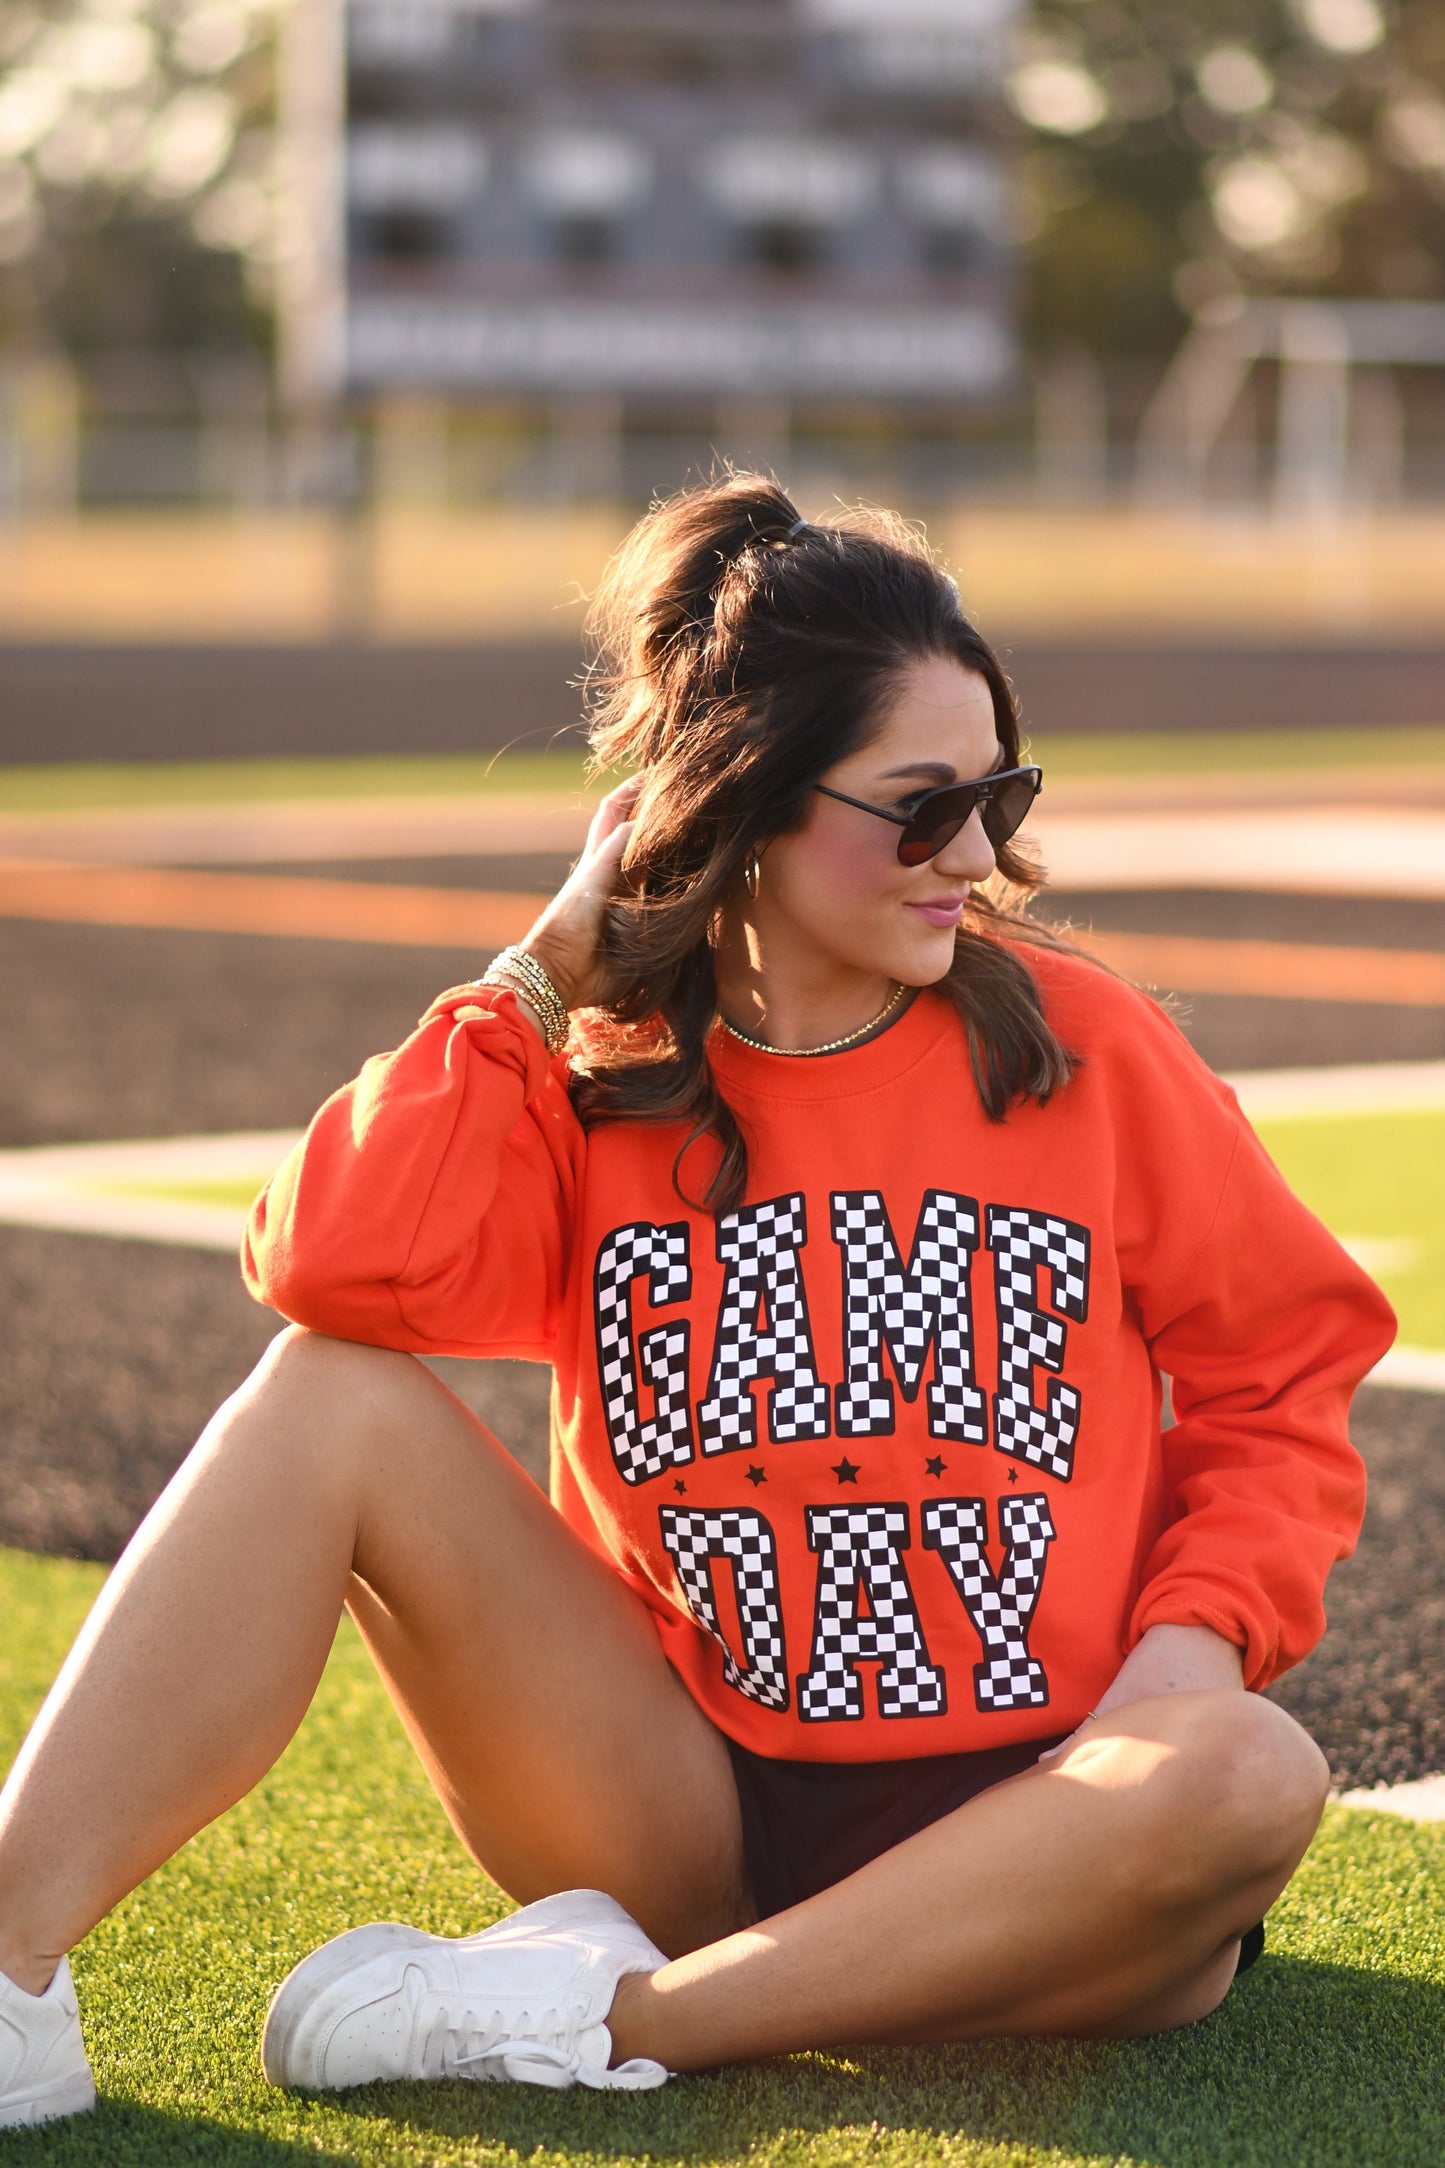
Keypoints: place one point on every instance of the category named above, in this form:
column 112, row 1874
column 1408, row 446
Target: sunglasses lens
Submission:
column 1004, row 814
column 944, row 812
column 937, row 824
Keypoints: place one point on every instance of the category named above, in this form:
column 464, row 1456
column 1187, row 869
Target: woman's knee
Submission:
column 298, row 1354
column 315, row 1397
column 1270, row 1772
column 301, row 1365
column 1240, row 1794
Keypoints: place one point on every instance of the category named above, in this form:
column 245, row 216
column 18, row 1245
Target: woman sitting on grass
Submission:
column 880, row 1671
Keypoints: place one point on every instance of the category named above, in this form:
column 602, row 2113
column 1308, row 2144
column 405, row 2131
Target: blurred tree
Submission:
column 136, row 152
column 1168, row 152
column 1172, row 153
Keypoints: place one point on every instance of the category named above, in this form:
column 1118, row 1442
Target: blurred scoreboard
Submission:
column 695, row 198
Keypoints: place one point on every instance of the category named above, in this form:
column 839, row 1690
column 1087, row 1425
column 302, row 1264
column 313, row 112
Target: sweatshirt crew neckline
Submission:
column 848, row 1074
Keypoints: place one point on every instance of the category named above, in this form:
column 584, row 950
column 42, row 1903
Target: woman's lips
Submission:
column 941, row 910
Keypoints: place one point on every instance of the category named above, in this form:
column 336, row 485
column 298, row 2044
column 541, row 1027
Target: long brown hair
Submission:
column 738, row 652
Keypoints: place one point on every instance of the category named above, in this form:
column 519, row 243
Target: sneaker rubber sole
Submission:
column 74, row 2094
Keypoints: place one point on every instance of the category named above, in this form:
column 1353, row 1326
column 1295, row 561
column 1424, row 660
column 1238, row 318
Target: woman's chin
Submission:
column 928, row 958
column 921, row 958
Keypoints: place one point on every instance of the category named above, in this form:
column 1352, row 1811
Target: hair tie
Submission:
column 796, row 529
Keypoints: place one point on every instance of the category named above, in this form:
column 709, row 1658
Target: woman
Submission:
column 880, row 1672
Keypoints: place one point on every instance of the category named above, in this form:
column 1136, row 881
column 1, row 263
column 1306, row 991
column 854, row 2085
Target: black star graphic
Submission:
column 755, row 1475
column 937, row 1465
column 679, row 1486
column 845, row 1470
column 1013, row 1475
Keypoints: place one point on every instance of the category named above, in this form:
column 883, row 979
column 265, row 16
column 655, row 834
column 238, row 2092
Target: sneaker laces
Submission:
column 530, row 2062
column 540, row 2062
column 475, row 2034
column 497, row 2044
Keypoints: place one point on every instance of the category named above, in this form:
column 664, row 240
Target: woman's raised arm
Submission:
column 429, row 1205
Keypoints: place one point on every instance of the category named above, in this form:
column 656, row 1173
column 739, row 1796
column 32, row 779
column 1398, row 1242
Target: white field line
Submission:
column 67, row 1186
column 231, row 1156
column 1382, row 1255
column 1411, row 1370
column 1377, row 1087
column 1422, row 1801
column 180, row 1222
column 417, row 825
column 302, row 828
column 1315, row 852
column 1362, row 849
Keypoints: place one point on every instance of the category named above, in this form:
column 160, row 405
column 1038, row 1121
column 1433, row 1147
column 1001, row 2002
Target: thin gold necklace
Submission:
column 833, row 1046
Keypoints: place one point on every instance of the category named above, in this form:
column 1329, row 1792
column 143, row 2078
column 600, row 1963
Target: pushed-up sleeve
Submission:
column 430, row 1204
column 1264, row 1331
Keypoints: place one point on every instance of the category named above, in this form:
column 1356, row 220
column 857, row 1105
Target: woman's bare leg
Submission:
column 563, row 1745
column 1103, row 1894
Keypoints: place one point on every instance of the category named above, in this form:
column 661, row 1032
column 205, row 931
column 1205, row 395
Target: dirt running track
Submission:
column 93, row 701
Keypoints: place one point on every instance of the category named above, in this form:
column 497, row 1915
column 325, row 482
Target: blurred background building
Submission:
column 662, row 227
column 254, row 253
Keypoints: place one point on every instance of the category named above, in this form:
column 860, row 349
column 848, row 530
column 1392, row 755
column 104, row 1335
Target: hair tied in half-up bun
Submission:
column 734, row 671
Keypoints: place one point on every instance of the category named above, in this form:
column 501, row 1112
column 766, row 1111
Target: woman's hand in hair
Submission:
column 566, row 938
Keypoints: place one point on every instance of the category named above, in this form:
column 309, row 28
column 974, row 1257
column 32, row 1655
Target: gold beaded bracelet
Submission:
column 522, row 974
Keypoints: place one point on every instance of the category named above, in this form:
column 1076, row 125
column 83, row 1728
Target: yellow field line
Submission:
column 487, row 919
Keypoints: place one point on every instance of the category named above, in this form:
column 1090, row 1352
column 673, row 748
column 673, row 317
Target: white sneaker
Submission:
column 43, row 2066
column 524, row 2000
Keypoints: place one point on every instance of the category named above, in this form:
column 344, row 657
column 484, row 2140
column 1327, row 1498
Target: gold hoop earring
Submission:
column 752, row 875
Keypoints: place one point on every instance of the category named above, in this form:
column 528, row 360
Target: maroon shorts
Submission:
column 807, row 1825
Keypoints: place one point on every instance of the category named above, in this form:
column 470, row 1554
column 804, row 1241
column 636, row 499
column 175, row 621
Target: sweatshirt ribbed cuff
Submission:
column 1178, row 1604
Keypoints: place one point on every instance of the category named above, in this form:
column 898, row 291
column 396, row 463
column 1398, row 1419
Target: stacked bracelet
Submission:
column 522, row 974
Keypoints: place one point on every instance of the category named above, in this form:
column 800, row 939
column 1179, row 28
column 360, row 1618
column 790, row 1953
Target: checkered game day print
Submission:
column 907, row 1339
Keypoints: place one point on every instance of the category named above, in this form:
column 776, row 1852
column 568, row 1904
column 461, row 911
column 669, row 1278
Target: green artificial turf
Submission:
column 238, row 1190
column 83, row 785
column 1190, row 752
column 1329, row 2052
column 1379, row 1178
column 79, row 784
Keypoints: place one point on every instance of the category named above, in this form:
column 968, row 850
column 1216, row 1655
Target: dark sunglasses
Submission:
column 1004, row 798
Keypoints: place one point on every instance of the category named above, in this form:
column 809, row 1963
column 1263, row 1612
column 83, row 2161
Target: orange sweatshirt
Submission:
column 881, row 1450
